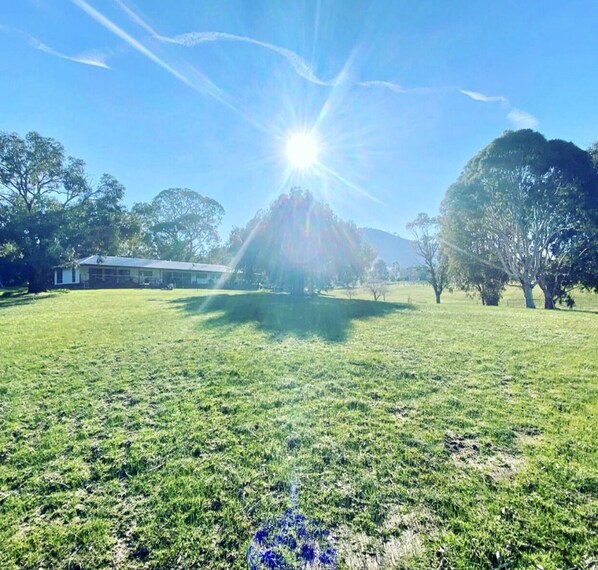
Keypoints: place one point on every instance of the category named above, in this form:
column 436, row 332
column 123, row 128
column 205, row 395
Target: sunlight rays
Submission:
column 349, row 184
column 309, row 160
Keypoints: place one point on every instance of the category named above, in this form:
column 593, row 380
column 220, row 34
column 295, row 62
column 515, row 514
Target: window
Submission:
column 96, row 273
column 202, row 275
column 73, row 275
column 59, row 276
column 124, row 272
column 145, row 277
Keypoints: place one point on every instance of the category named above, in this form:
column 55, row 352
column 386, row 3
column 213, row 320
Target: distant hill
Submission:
column 392, row 248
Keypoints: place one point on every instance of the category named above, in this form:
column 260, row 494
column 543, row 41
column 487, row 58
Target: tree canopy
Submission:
column 523, row 207
column 178, row 224
column 299, row 242
column 49, row 209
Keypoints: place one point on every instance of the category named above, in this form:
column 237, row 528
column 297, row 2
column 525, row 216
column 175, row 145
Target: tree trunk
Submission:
column 490, row 297
column 298, row 284
column 37, row 282
column 529, row 295
column 437, row 293
column 492, row 300
column 548, row 287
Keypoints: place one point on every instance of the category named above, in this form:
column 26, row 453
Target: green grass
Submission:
column 161, row 429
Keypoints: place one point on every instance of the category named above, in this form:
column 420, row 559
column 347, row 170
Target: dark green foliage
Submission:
column 101, row 224
column 178, row 224
column 48, row 211
column 473, row 264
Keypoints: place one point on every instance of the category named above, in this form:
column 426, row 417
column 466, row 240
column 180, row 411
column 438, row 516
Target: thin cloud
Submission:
column 485, row 98
column 302, row 68
column 387, row 84
column 522, row 119
column 95, row 58
column 519, row 119
column 399, row 88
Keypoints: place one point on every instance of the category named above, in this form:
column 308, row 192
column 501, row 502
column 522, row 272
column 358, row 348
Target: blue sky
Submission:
column 204, row 94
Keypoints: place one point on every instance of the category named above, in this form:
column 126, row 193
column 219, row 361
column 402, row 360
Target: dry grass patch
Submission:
column 401, row 546
column 468, row 452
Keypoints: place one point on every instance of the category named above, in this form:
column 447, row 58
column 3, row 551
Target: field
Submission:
column 162, row 429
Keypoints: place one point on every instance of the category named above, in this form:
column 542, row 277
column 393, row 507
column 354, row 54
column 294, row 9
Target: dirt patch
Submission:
column 127, row 550
column 401, row 411
column 467, row 452
column 120, row 553
column 527, row 436
column 400, row 546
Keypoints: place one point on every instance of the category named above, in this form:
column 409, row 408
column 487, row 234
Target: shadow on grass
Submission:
column 15, row 298
column 280, row 315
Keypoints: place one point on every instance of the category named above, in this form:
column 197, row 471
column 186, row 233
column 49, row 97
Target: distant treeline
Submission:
column 524, row 210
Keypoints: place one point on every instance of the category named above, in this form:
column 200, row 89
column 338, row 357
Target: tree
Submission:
column 179, row 224
column 394, row 271
column 380, row 270
column 49, row 212
column 241, row 251
column 427, row 243
column 101, row 224
column 587, row 269
column 377, row 278
column 376, row 288
column 527, row 206
column 39, row 187
column 299, row 243
column 472, row 264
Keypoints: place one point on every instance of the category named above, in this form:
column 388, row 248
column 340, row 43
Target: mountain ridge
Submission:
column 392, row 248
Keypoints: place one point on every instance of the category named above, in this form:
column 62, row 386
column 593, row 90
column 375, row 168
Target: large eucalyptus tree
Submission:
column 528, row 207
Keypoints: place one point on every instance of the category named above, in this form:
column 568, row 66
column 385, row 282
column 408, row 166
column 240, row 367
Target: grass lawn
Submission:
column 162, row 429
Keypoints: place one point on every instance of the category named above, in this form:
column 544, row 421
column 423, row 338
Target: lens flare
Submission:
column 302, row 150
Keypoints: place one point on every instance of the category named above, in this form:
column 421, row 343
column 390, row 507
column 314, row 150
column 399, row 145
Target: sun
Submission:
column 302, row 150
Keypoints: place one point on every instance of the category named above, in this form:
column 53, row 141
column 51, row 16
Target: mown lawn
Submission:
column 162, row 429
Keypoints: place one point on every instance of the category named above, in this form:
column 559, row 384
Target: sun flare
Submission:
column 302, row 150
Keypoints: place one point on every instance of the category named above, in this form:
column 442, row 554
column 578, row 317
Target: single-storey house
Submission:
column 105, row 271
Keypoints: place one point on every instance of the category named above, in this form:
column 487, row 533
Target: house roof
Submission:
column 135, row 262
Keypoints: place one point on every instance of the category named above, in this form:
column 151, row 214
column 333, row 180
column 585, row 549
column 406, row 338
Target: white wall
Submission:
column 67, row 276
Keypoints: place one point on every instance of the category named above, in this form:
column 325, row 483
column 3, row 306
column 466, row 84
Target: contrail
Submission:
column 116, row 30
column 519, row 118
column 302, row 68
column 95, row 58
column 207, row 86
